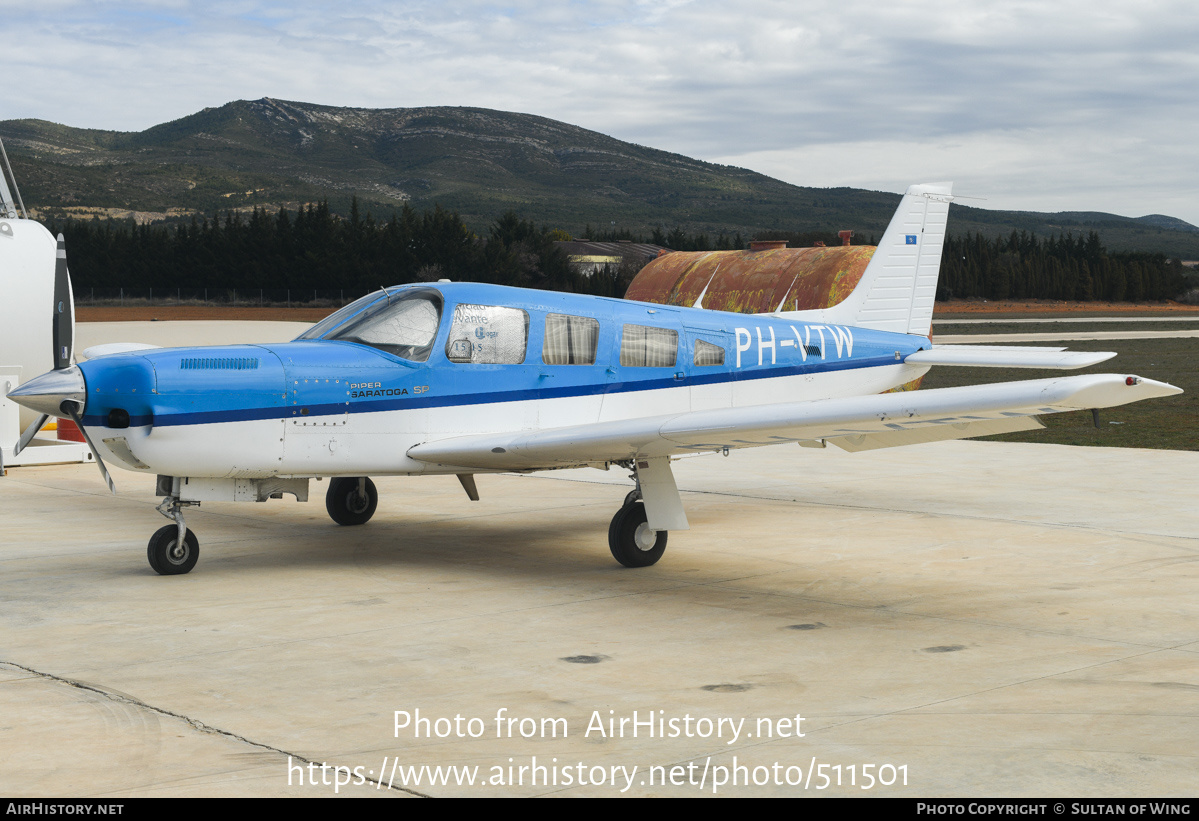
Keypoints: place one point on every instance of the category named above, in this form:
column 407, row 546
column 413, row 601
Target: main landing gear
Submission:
column 351, row 501
column 630, row 539
column 174, row 550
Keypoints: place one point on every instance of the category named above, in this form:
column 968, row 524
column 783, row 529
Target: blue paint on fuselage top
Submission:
column 311, row 378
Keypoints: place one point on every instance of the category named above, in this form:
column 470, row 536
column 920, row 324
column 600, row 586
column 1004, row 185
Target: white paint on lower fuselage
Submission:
column 376, row 443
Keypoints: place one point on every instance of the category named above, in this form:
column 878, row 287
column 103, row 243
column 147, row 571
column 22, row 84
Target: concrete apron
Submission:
column 976, row 618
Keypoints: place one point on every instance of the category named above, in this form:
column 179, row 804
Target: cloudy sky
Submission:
column 1048, row 105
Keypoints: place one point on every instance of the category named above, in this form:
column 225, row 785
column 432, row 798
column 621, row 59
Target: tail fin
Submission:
column 897, row 289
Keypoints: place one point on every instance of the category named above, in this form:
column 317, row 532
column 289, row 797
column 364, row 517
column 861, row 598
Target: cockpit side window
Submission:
column 487, row 335
column 403, row 325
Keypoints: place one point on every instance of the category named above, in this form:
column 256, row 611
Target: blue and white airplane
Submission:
column 465, row 378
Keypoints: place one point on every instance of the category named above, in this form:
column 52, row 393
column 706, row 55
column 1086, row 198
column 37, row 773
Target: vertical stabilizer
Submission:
column 897, row 289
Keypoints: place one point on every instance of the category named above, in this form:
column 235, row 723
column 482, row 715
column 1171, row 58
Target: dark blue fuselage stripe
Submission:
column 494, row 397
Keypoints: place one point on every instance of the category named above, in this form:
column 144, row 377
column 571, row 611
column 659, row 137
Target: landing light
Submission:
column 118, row 418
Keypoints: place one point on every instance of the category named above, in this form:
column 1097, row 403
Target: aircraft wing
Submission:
column 853, row 423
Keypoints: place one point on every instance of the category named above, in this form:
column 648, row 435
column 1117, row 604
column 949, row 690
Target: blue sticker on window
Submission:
column 910, row 239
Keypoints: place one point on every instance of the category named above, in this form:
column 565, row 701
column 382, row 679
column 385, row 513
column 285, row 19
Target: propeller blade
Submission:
column 73, row 409
column 29, row 433
column 64, row 310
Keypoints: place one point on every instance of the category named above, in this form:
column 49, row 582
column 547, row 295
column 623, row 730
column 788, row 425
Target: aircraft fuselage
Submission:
column 329, row 407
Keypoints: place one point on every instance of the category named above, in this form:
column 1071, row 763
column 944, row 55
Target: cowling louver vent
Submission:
column 219, row 363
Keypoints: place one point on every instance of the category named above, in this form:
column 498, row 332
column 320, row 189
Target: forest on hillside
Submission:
column 1066, row 267
column 314, row 249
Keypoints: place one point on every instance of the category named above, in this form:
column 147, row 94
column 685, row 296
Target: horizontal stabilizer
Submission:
column 712, row 430
column 998, row 356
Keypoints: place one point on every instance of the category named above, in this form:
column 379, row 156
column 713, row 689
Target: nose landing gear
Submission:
column 173, row 549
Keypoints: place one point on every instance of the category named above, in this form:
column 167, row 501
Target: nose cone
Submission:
column 46, row 393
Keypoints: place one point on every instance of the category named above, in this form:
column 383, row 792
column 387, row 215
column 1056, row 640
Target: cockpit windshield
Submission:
column 340, row 315
column 404, row 325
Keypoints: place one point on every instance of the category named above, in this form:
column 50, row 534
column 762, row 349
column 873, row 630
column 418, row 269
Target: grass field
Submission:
column 1171, row 423
column 1001, row 327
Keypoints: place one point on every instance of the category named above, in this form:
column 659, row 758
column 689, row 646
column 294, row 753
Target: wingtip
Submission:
column 1152, row 387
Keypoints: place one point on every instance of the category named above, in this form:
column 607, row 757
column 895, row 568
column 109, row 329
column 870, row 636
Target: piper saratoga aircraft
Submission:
column 464, row 378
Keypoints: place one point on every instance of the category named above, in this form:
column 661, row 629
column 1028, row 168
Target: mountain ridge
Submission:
column 272, row 153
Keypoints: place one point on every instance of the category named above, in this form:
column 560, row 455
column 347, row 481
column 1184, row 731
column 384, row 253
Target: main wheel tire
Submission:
column 631, row 541
column 167, row 557
column 346, row 505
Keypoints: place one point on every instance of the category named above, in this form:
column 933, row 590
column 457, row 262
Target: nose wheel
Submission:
column 168, row 555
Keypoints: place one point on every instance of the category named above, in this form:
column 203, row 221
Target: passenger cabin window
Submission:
column 404, row 325
column 488, row 335
column 707, row 354
column 644, row 347
column 570, row 340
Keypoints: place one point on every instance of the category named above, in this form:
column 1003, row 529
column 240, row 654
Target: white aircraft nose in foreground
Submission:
column 465, row 378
